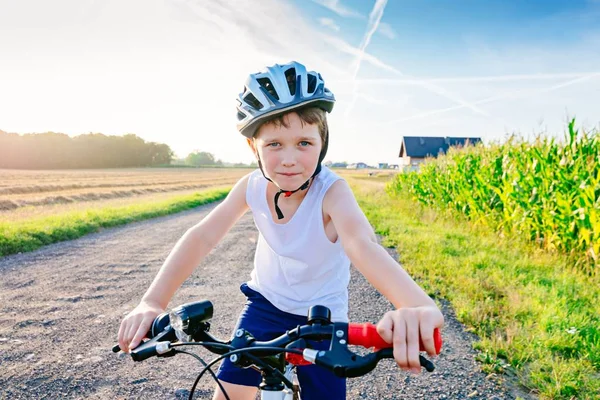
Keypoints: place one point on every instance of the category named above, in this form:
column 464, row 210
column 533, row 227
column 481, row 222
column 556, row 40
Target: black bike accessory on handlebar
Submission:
column 319, row 315
column 158, row 325
column 199, row 311
column 188, row 319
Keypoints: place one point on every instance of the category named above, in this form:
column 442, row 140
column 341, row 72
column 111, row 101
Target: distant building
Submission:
column 414, row 149
column 360, row 165
column 339, row 165
column 383, row 166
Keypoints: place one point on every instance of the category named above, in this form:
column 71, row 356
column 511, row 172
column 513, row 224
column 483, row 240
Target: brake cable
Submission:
column 197, row 357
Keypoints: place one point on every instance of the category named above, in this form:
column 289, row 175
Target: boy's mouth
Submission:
column 287, row 174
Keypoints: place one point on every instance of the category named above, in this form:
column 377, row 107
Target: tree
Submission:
column 198, row 158
column 51, row 150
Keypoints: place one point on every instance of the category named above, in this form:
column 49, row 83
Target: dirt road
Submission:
column 61, row 307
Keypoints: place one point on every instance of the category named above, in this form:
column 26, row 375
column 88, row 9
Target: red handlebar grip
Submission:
column 366, row 335
column 296, row 359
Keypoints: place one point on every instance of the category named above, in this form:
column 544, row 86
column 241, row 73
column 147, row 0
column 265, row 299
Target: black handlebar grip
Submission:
column 425, row 363
column 144, row 351
column 389, row 353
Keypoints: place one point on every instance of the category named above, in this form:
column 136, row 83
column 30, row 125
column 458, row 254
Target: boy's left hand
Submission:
column 404, row 326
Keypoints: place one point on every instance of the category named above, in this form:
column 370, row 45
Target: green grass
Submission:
column 28, row 235
column 536, row 317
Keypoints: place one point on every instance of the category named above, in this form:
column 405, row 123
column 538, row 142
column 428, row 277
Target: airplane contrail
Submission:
column 480, row 79
column 515, row 94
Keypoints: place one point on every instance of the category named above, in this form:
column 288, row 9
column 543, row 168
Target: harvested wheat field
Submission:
column 26, row 194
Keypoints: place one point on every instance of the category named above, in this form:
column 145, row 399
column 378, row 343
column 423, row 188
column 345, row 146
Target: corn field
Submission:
column 546, row 191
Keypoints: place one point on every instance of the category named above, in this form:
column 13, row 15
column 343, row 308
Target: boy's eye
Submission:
column 273, row 144
column 304, row 143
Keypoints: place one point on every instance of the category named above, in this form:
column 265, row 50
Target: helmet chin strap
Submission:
column 288, row 193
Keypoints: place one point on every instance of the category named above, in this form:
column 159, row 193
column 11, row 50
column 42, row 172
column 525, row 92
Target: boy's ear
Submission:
column 251, row 144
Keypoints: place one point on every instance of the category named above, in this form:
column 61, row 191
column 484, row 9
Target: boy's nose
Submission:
column 288, row 162
column 288, row 159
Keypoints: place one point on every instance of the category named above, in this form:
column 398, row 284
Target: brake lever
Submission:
column 345, row 363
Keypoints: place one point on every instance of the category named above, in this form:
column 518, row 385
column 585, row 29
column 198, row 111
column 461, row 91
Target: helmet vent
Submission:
column 268, row 85
column 290, row 77
column 312, row 83
column 253, row 101
column 241, row 116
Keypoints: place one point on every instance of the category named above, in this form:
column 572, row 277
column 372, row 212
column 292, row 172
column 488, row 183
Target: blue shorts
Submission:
column 266, row 322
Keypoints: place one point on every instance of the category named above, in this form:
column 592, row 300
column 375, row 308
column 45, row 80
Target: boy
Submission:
column 307, row 238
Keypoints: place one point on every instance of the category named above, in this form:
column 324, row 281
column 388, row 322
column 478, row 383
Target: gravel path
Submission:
column 61, row 307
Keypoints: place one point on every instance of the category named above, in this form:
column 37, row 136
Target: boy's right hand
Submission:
column 136, row 324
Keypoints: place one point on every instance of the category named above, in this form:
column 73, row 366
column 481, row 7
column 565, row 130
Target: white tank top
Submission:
column 296, row 265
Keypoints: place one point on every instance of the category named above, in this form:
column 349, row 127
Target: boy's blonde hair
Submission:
column 307, row 115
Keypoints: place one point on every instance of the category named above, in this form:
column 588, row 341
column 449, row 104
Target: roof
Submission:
column 424, row 146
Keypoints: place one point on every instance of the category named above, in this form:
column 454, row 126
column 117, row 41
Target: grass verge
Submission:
column 537, row 318
column 30, row 234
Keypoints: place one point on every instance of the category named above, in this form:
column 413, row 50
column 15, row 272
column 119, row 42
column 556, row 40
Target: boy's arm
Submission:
column 371, row 259
column 195, row 244
column 416, row 315
column 189, row 251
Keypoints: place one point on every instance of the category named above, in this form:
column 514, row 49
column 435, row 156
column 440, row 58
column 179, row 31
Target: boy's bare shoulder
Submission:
column 338, row 193
column 245, row 179
column 238, row 193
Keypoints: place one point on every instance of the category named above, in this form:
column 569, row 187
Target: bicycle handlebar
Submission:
column 339, row 358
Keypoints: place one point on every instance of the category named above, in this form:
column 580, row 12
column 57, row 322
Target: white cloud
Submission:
column 386, row 30
column 337, row 7
column 328, row 22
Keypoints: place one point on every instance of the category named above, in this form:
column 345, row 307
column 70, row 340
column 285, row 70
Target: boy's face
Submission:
column 289, row 155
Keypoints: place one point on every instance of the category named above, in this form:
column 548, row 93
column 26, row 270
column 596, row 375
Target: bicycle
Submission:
column 276, row 358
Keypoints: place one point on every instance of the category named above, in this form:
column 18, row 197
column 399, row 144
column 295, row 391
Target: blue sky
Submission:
column 170, row 70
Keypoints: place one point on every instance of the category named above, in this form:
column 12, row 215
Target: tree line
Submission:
column 53, row 150
column 199, row 158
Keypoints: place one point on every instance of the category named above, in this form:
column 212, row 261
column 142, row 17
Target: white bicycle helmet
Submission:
column 277, row 90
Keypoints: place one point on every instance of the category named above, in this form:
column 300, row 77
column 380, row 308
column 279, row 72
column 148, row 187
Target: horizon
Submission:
column 170, row 71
